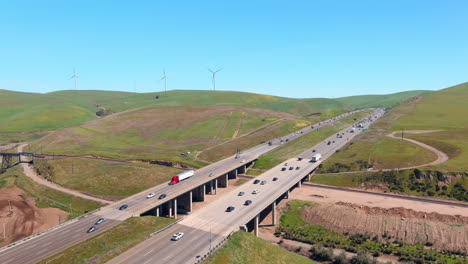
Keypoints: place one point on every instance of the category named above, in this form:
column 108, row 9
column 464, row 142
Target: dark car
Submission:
column 275, row 179
column 248, row 202
column 291, row 168
column 256, row 181
column 287, row 139
column 230, row 209
column 283, row 169
column 329, row 142
column 101, row 220
column 91, row 229
column 299, row 159
column 313, row 150
column 298, row 167
column 241, row 193
column 162, row 196
column 123, row 207
column 333, row 141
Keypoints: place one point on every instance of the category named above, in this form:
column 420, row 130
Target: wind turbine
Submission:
column 165, row 81
column 74, row 77
column 214, row 77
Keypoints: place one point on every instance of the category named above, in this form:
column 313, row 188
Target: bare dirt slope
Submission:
column 443, row 231
column 24, row 218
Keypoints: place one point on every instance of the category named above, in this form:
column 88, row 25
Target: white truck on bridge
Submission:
column 182, row 176
column 316, row 157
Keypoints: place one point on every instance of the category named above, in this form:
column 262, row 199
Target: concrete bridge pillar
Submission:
column 184, row 203
column 223, row 181
column 216, row 185
column 286, row 195
column 199, row 193
column 256, row 225
column 299, row 184
column 273, row 213
column 175, row 207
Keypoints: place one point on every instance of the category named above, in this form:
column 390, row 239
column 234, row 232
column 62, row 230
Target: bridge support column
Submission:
column 273, row 213
column 216, row 186
column 256, row 225
column 170, row 208
column 190, row 202
column 199, row 193
column 299, row 184
column 286, row 195
column 175, row 208
column 308, row 177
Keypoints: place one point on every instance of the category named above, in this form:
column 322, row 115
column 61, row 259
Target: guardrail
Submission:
column 221, row 243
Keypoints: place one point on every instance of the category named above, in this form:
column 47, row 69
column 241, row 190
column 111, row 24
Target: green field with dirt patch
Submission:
column 244, row 248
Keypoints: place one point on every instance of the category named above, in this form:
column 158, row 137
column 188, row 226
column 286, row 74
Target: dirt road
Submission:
column 441, row 156
column 29, row 172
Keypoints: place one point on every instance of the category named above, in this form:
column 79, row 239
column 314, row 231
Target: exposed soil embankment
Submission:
column 169, row 164
column 443, row 232
column 24, row 218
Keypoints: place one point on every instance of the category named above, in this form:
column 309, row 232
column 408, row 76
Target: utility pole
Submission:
column 402, row 134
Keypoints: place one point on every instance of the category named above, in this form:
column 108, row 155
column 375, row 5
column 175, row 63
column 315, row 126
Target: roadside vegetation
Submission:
column 49, row 198
column 19, row 137
column 293, row 226
column 111, row 243
column 429, row 183
column 108, row 179
column 299, row 145
column 244, row 247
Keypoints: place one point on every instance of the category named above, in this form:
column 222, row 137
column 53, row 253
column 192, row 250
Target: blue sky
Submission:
column 291, row 48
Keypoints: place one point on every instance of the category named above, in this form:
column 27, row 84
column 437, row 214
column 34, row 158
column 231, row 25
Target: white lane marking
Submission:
column 148, row 252
column 146, row 262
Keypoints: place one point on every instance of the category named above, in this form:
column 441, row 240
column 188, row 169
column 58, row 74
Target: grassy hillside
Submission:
column 445, row 110
column 25, row 112
column 372, row 148
column 387, row 100
column 160, row 132
column 246, row 248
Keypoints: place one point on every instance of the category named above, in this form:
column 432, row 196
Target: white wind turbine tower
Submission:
column 165, row 81
column 74, row 77
column 214, row 77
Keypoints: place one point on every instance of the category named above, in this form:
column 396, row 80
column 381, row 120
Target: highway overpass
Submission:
column 208, row 227
column 178, row 200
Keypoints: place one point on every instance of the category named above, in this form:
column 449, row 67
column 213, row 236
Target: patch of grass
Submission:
column 368, row 101
column 254, row 172
column 293, row 226
column 111, row 243
column 244, row 248
column 347, row 180
column 19, row 137
column 46, row 197
column 239, row 182
column 105, row 178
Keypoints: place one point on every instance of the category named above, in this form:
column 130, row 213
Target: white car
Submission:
column 177, row 236
column 255, row 191
column 150, row 195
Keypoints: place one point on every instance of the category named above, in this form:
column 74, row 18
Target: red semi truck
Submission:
column 181, row 176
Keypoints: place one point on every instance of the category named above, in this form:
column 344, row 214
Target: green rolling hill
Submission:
column 27, row 112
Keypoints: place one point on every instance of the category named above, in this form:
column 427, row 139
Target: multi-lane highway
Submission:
column 73, row 232
column 212, row 223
